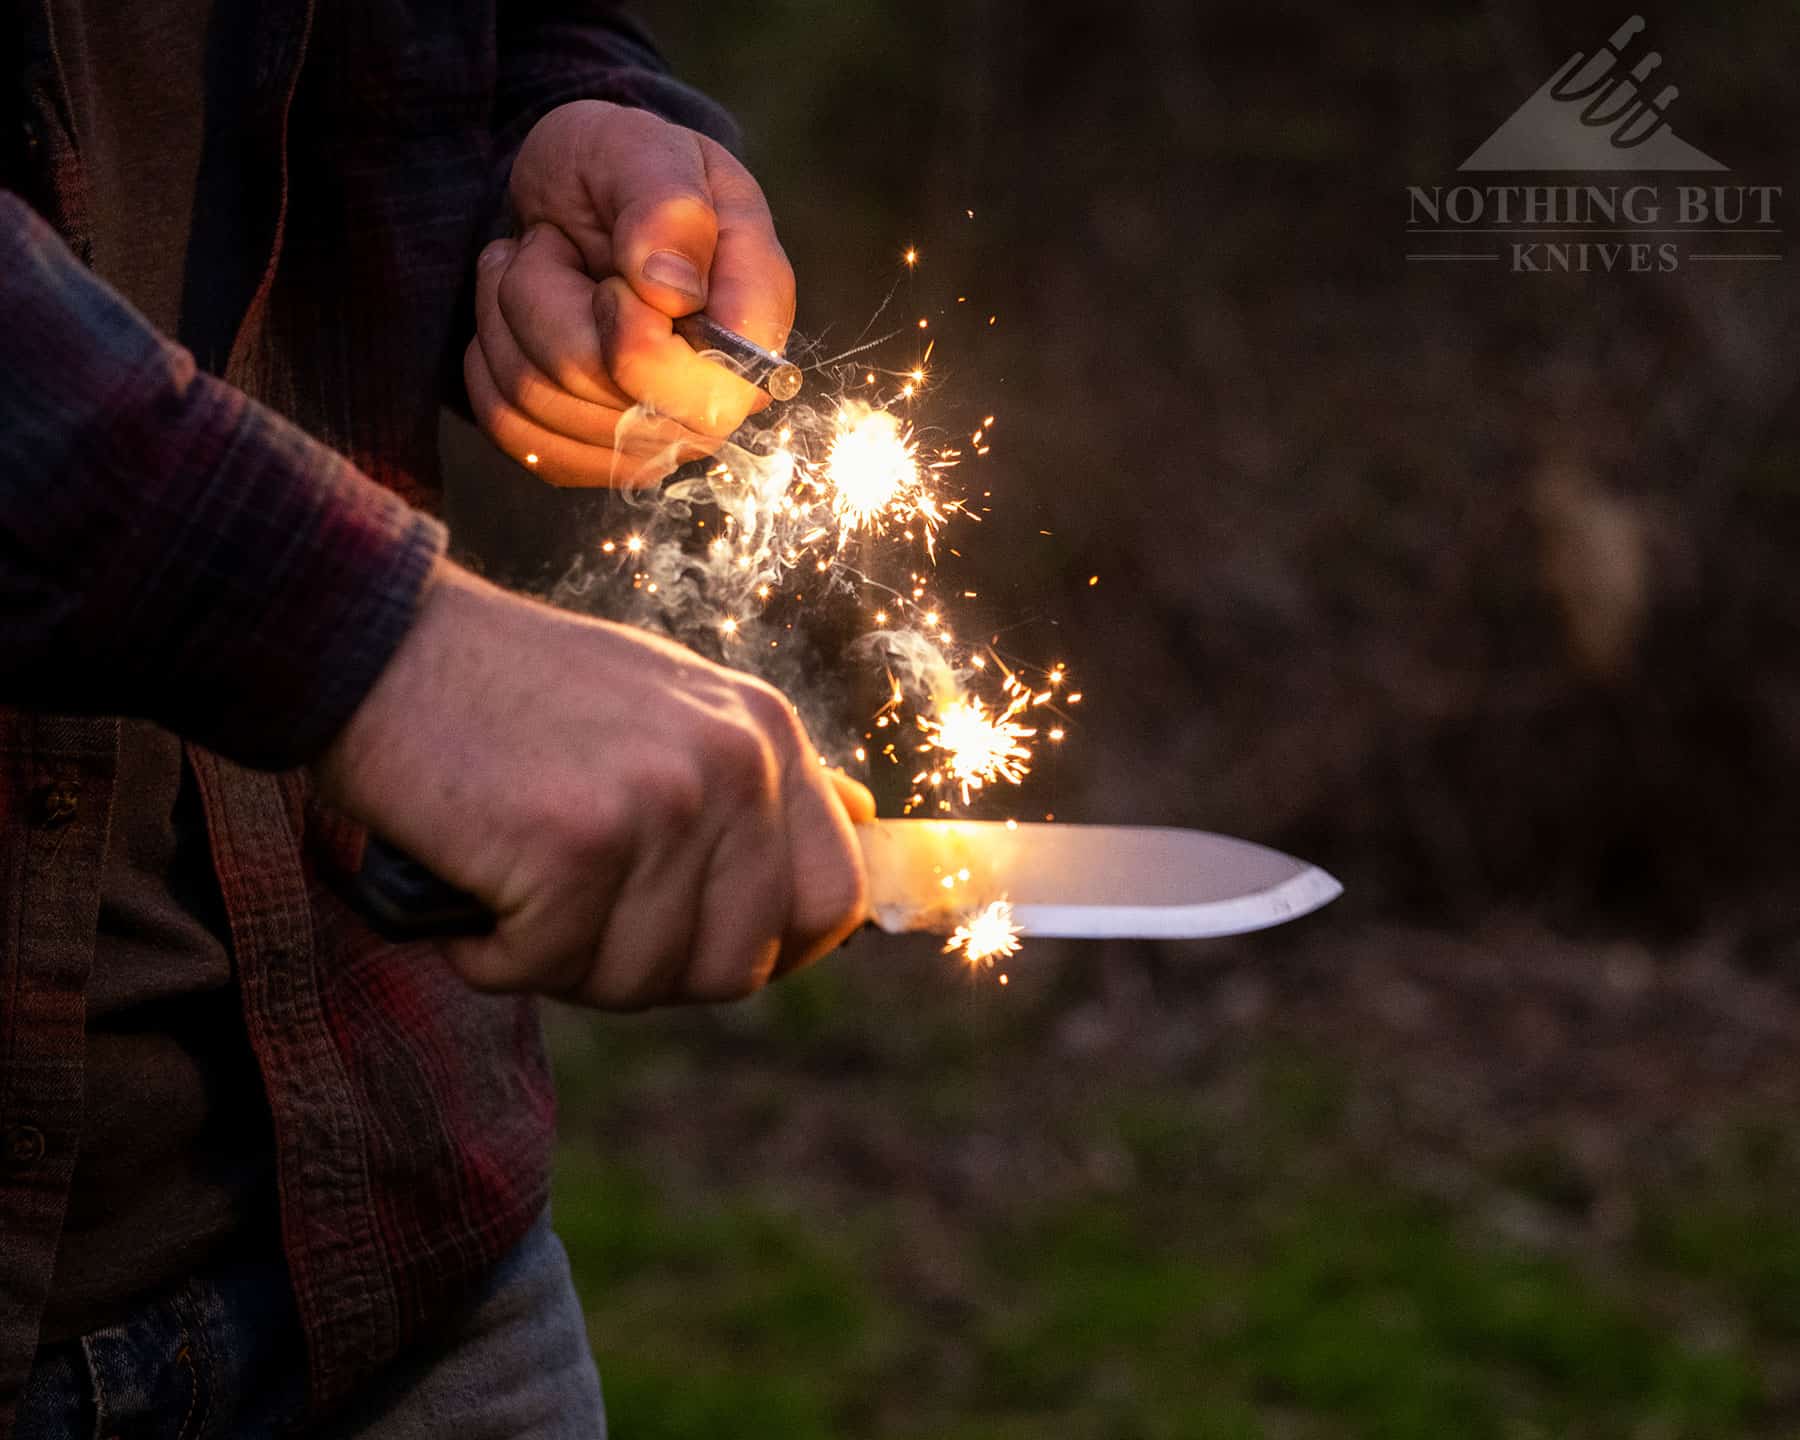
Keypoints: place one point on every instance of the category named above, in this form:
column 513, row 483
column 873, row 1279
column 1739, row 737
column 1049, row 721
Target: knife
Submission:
column 1077, row 881
column 1089, row 882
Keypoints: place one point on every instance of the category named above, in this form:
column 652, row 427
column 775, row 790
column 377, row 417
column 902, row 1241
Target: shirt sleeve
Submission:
column 168, row 547
column 555, row 51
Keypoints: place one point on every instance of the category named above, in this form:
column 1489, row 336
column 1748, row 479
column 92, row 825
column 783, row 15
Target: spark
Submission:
column 978, row 746
column 873, row 475
column 635, row 544
column 988, row 935
column 912, row 256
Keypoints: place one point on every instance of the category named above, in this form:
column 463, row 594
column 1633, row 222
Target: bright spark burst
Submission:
column 988, row 935
column 873, row 476
column 979, row 746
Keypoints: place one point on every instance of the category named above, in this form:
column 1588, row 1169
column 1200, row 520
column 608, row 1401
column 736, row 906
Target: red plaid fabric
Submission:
column 234, row 548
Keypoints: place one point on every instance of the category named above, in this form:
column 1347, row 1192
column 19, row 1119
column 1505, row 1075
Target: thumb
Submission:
column 665, row 228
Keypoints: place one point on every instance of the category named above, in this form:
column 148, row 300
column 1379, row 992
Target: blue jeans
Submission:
column 223, row 1357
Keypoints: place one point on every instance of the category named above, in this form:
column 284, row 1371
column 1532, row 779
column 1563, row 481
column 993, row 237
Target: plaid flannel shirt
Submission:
column 234, row 549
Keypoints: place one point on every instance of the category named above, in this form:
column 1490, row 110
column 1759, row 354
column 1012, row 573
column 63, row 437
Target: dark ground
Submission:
column 1479, row 589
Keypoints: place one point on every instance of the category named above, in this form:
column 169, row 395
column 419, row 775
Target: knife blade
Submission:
column 1084, row 881
column 1076, row 881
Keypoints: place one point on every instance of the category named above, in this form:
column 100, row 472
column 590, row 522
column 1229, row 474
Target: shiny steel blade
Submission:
column 1084, row 881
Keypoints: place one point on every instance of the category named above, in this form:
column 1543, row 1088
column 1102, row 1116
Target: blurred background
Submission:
column 1481, row 590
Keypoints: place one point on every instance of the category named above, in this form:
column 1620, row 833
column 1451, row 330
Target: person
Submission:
column 259, row 1169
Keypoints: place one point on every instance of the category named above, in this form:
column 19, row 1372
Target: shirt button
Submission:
column 54, row 804
column 24, row 1147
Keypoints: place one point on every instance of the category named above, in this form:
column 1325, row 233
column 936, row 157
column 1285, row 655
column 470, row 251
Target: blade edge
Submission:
column 1311, row 889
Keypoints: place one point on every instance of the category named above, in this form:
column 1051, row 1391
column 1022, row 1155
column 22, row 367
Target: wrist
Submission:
column 352, row 769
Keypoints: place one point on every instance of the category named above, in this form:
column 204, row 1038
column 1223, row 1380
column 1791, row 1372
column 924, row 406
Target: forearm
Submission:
column 168, row 547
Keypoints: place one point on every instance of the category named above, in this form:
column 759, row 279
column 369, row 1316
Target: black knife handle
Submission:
column 403, row 900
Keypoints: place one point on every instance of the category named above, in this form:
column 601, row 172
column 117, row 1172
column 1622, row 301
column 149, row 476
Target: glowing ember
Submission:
column 989, row 935
column 979, row 747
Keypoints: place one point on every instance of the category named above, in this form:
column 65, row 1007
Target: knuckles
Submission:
column 739, row 761
column 774, row 714
column 594, row 833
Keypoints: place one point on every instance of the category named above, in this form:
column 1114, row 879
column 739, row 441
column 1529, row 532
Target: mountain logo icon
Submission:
column 1594, row 113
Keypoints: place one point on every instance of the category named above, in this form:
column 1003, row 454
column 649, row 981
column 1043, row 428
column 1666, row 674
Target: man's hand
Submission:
column 648, row 827
column 628, row 223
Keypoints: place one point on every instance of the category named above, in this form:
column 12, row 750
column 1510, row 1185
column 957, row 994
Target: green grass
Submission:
column 1284, row 1303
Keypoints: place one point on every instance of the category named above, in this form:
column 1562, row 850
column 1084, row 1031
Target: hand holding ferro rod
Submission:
column 742, row 355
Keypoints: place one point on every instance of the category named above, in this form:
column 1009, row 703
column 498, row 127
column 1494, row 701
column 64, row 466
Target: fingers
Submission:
column 658, row 369
column 751, row 284
column 646, row 953
column 743, row 908
column 830, row 891
column 527, row 388
column 543, row 300
column 537, row 378
column 556, row 458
